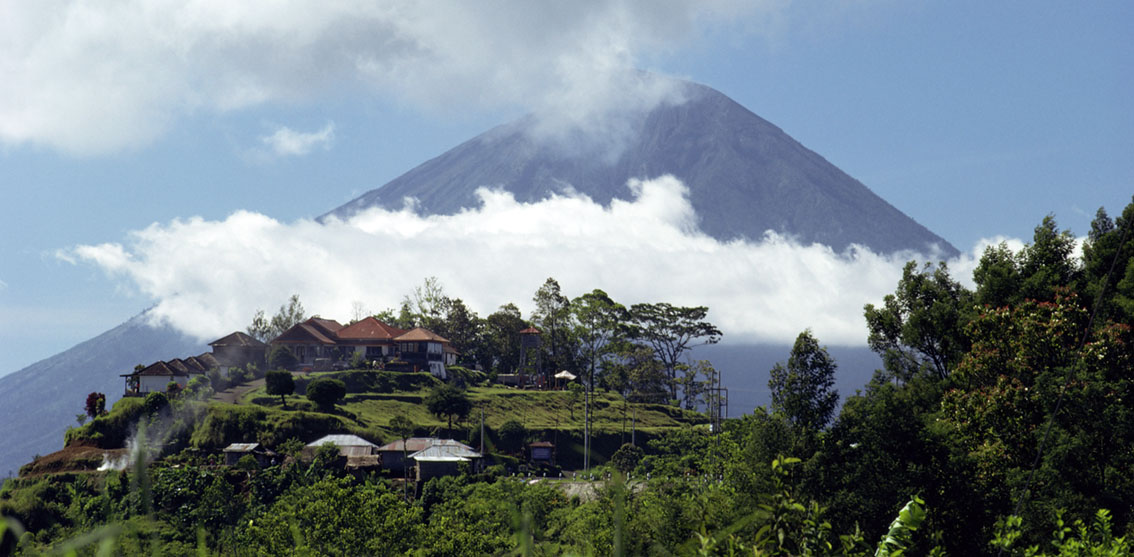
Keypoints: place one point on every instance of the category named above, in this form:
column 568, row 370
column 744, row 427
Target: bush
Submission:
column 627, row 457
column 155, row 403
column 325, row 392
column 281, row 358
column 512, row 436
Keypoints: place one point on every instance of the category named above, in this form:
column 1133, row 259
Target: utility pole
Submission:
column 482, row 430
column 587, row 429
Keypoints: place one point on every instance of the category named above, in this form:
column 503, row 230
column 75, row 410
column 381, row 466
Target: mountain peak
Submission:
column 745, row 175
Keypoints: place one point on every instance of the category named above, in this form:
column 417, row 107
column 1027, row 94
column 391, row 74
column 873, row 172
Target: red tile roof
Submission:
column 530, row 331
column 369, row 329
column 419, row 334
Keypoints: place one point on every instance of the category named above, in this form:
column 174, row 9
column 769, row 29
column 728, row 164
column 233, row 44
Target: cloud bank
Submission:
column 91, row 78
column 286, row 142
column 209, row 277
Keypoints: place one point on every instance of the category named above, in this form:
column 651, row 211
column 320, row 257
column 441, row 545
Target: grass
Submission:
column 372, row 410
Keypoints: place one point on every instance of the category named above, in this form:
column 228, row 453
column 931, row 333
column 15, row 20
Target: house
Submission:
column 155, row 378
column 440, row 455
column 359, row 453
column 311, row 340
column 369, row 338
column 238, row 350
column 234, row 452
column 392, row 453
column 443, row 458
column 423, row 350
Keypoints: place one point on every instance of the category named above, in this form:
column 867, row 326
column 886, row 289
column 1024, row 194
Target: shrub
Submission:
column 280, row 382
column 281, row 358
column 326, row 392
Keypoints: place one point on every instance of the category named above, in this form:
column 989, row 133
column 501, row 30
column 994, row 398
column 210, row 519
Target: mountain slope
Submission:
column 744, row 174
column 41, row 400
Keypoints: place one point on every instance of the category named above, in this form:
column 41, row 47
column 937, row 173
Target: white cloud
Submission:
column 286, row 142
column 98, row 77
column 209, row 277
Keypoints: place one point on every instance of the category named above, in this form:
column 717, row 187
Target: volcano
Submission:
column 745, row 176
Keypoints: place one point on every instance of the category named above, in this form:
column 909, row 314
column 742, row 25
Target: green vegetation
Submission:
column 1001, row 422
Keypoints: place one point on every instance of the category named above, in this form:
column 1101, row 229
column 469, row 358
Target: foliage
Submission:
column 672, row 331
column 289, row 314
column 803, row 390
column 918, row 327
column 448, row 401
column 626, row 458
column 512, row 436
column 281, row 358
column 326, row 392
column 95, row 405
column 279, row 382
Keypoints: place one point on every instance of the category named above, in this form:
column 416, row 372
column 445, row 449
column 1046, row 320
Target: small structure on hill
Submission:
column 234, row 452
column 443, row 458
column 542, row 452
column 238, row 350
column 154, row 378
column 440, row 456
column 359, row 453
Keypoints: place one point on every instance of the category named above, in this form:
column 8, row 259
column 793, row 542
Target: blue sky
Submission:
column 974, row 119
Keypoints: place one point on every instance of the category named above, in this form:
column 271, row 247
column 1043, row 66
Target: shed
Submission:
column 234, row 452
column 542, row 452
column 349, row 445
column 443, row 458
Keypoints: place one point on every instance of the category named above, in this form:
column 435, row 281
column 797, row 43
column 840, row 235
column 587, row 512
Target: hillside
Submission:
column 745, row 176
column 41, row 400
column 372, row 399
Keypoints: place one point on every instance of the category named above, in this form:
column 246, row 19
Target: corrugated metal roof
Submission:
column 445, row 450
column 437, row 454
column 342, row 440
column 241, row 447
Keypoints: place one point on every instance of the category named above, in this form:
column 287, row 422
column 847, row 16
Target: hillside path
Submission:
column 232, row 395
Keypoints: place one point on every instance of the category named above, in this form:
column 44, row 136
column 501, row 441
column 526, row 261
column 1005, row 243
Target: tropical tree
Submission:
column 403, row 428
column 279, row 382
column 552, row 316
column 289, row 315
column 448, row 401
column 502, row 336
column 919, row 326
column 803, row 389
column 672, row 331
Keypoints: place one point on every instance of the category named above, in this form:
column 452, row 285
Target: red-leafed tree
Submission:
column 96, row 405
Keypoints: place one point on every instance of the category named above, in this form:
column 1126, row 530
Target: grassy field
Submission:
column 373, row 398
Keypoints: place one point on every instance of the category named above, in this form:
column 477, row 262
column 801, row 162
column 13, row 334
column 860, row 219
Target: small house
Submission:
column 359, row 453
column 234, row 452
column 154, row 378
column 238, row 350
column 443, row 458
